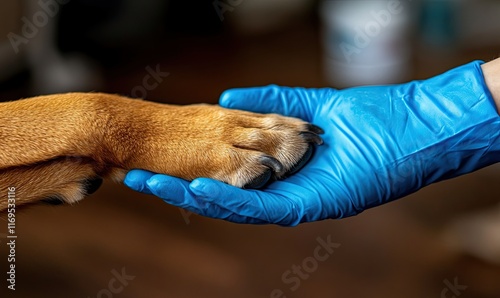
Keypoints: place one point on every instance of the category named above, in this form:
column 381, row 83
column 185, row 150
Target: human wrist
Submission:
column 491, row 73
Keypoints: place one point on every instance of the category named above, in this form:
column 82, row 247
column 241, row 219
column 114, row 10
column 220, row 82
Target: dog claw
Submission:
column 92, row 185
column 272, row 163
column 274, row 166
column 312, row 137
column 315, row 129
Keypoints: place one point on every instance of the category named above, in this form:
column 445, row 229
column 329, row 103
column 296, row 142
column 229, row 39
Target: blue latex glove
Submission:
column 381, row 143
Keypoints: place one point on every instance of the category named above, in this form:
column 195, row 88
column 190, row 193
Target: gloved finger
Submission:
column 136, row 180
column 270, row 99
column 176, row 192
column 252, row 204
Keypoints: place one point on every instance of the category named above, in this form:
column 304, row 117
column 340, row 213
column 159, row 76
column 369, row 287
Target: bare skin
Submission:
column 491, row 71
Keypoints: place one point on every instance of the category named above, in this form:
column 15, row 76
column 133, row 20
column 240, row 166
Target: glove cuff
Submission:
column 465, row 126
column 477, row 143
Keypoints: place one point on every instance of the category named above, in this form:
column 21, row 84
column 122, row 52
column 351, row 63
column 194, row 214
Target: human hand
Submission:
column 381, row 143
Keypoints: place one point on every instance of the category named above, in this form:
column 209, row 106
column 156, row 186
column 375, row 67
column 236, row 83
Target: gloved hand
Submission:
column 381, row 143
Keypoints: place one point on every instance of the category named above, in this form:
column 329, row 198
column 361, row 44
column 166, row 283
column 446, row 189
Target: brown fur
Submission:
column 50, row 144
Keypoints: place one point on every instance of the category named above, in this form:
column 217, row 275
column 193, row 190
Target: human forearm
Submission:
column 491, row 71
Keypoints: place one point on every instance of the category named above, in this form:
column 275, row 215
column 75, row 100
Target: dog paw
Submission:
column 240, row 148
column 282, row 149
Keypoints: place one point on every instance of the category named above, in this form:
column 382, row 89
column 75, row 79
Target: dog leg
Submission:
column 59, row 180
column 51, row 145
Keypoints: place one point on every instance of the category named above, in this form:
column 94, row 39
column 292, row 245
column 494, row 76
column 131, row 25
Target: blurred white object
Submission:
column 61, row 74
column 366, row 42
column 476, row 234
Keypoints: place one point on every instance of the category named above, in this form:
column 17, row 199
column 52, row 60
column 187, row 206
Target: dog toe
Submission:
column 301, row 163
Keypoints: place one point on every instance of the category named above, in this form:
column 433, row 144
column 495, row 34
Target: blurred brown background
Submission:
column 396, row 250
